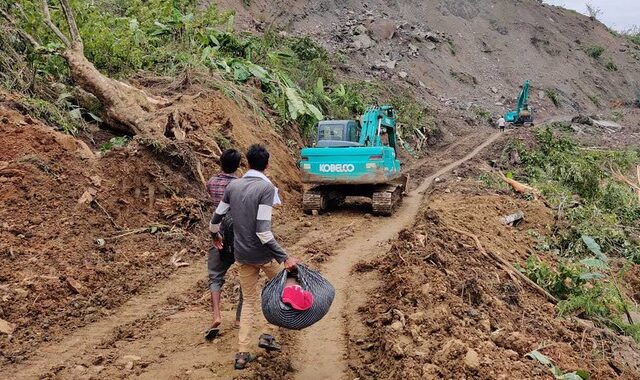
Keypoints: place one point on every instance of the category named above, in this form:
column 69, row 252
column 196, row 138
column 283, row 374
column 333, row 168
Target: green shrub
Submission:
column 595, row 100
column 595, row 51
column 553, row 96
column 114, row 142
column 611, row 66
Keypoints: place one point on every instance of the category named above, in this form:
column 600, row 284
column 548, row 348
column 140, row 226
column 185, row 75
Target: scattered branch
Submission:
column 107, row 214
column 71, row 22
column 618, row 176
column 52, row 26
column 506, row 266
column 176, row 259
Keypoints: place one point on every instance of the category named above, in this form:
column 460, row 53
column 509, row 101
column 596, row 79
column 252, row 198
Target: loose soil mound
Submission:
column 445, row 311
column 81, row 232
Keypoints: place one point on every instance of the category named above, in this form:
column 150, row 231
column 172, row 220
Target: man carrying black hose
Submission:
column 250, row 201
column 220, row 259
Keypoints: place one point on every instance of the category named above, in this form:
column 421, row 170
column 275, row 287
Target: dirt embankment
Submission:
column 81, row 232
column 445, row 310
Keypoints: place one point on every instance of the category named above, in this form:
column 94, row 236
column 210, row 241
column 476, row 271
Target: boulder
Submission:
column 362, row 41
column 385, row 64
column 383, row 30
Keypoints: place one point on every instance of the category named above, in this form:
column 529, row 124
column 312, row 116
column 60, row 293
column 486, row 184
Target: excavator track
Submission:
column 313, row 199
column 386, row 199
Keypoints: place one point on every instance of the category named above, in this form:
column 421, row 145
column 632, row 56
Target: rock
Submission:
column 421, row 83
column 385, row 64
column 133, row 358
column 7, row 327
column 307, row 224
column 417, row 317
column 430, row 45
column 486, row 325
column 447, row 191
column 541, row 94
column 97, row 368
column 439, row 180
column 403, row 74
column 582, row 119
column 494, row 90
column 464, row 77
column 97, row 360
column 75, row 285
column 96, row 180
column 471, row 359
column 511, row 354
column 396, row 326
column 397, row 351
column 382, row 30
column 314, row 212
column 360, row 29
column 362, row 42
column 452, row 349
column 431, row 371
column 432, row 37
column 88, row 196
column 128, row 366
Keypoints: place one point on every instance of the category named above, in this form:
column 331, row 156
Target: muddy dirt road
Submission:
column 323, row 345
column 158, row 334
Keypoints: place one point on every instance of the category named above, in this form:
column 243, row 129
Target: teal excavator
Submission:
column 523, row 114
column 351, row 158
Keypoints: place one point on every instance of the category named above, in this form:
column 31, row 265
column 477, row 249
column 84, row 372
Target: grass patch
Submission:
column 114, row 142
column 553, row 96
column 611, row 66
column 595, row 51
column 595, row 99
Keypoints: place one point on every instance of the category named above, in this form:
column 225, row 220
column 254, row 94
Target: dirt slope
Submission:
column 444, row 311
column 81, row 232
column 464, row 52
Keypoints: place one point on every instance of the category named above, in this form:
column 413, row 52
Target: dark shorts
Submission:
column 219, row 262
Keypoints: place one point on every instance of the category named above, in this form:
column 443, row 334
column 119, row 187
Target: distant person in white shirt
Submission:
column 501, row 123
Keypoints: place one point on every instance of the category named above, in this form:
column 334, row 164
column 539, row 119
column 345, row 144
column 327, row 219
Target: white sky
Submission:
column 617, row 14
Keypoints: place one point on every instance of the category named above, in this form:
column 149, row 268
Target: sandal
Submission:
column 211, row 334
column 268, row 342
column 243, row 359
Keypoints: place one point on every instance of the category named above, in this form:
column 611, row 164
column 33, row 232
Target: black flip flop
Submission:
column 211, row 334
column 268, row 342
column 242, row 360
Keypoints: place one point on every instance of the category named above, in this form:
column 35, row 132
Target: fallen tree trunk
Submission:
column 127, row 109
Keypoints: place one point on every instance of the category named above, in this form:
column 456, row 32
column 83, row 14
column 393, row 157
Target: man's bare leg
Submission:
column 215, row 303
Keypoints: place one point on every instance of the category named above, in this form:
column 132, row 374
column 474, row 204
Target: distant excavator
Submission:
column 351, row 158
column 523, row 114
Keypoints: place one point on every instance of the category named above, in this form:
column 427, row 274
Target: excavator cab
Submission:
column 338, row 133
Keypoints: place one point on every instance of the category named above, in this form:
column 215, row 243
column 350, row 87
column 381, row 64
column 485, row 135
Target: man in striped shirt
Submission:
column 221, row 258
column 250, row 201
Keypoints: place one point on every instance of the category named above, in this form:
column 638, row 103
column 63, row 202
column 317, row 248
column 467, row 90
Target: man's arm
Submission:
column 221, row 211
column 263, row 226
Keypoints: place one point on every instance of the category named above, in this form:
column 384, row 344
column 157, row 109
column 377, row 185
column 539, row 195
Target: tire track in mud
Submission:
column 163, row 326
column 322, row 347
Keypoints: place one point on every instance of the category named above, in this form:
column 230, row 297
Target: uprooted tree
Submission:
column 155, row 121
